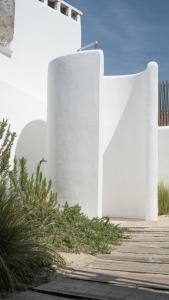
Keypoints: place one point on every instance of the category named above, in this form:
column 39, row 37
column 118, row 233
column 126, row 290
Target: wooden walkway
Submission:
column 137, row 269
column 141, row 261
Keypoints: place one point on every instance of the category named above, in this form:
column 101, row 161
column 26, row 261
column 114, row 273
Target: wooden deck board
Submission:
column 89, row 289
column 135, row 270
column 129, row 266
column 142, row 259
column 149, row 280
column 138, row 257
column 142, row 250
column 30, row 295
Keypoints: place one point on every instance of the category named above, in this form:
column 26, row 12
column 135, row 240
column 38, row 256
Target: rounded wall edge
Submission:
column 75, row 162
column 100, row 156
column 153, row 66
column 152, row 142
column 134, row 75
column 76, row 54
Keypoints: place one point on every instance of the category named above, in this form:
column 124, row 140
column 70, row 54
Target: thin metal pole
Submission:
column 94, row 44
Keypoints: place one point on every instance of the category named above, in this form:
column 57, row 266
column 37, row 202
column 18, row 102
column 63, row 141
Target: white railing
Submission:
column 64, row 8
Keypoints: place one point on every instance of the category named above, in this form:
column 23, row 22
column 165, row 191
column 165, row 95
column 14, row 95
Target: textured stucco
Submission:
column 74, row 161
column 6, row 21
column 129, row 124
column 102, row 137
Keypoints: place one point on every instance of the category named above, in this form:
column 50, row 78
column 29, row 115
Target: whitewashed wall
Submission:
column 41, row 34
column 163, row 154
column 26, row 116
column 73, row 129
column 102, row 134
column 130, row 145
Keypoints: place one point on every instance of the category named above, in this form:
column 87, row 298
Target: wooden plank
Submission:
column 84, row 289
column 148, row 229
column 142, row 250
column 135, row 257
column 149, row 238
column 155, row 281
column 147, row 234
column 96, row 290
column 129, row 266
column 145, row 244
column 35, row 296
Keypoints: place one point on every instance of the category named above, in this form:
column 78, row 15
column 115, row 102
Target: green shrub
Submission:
column 67, row 228
column 163, row 199
column 33, row 226
column 24, row 248
column 6, row 141
column 75, row 232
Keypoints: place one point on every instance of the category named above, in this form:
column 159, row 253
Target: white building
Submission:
column 41, row 34
column 98, row 133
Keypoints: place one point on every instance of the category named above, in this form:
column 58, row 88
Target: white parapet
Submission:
column 64, row 8
column 102, row 137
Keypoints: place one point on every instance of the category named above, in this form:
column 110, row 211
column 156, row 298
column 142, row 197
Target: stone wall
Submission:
column 6, row 21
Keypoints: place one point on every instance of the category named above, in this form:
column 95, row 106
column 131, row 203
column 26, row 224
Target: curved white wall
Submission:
column 163, row 154
column 21, row 108
column 73, row 129
column 130, row 145
column 102, row 133
column 31, row 145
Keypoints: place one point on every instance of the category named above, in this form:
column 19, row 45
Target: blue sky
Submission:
column 131, row 33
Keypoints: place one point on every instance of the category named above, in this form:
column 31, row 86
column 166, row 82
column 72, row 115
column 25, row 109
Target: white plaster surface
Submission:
column 24, row 113
column 32, row 145
column 102, row 131
column 130, row 145
column 41, row 34
column 73, row 129
column 163, row 154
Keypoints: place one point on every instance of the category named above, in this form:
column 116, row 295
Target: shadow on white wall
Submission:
column 125, row 155
column 105, row 153
column 32, row 144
